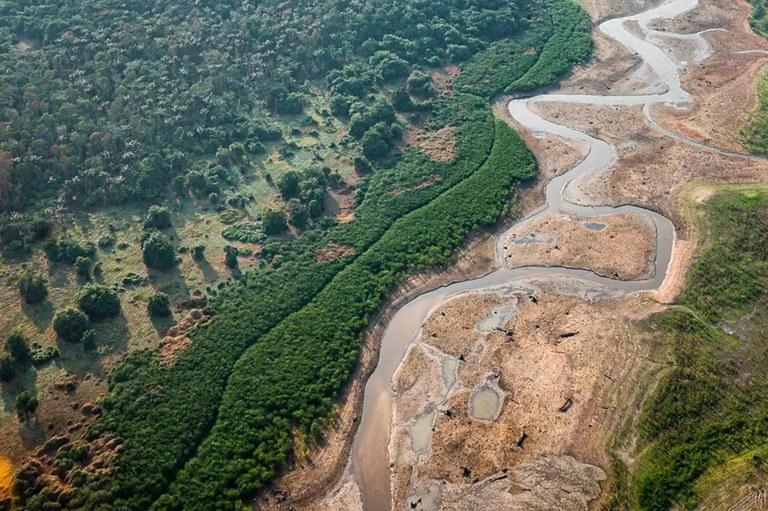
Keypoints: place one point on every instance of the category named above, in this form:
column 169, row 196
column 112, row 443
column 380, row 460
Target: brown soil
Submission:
column 623, row 249
column 443, row 79
column 333, row 251
column 440, row 145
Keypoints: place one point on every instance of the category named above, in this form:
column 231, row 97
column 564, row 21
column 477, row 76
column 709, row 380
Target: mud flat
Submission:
column 618, row 246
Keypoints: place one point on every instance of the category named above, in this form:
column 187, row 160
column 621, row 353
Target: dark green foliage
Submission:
column 26, row 404
column 98, row 301
column 33, row 288
column 82, row 266
column 17, row 345
column 7, row 368
column 159, row 306
column 65, row 251
column 230, row 257
column 299, row 213
column 70, row 324
column 419, row 84
column 198, row 252
column 157, row 101
column 158, row 251
column 158, row 217
column 711, row 406
column 246, row 232
column 288, row 184
column 274, row 222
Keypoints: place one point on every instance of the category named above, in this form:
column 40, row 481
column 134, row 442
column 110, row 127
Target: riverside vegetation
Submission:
column 212, row 426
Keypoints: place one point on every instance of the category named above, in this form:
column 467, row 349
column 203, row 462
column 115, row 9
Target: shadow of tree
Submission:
column 40, row 314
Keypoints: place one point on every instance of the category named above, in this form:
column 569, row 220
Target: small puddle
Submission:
column 421, row 431
column 485, row 404
column 6, row 476
column 532, row 238
column 448, row 367
column 594, row 226
column 496, row 318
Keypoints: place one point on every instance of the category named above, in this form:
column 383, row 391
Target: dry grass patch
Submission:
column 440, row 145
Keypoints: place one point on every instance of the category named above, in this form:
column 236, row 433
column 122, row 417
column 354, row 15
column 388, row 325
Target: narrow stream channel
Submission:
column 369, row 460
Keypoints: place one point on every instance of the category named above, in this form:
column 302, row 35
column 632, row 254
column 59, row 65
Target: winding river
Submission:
column 369, row 461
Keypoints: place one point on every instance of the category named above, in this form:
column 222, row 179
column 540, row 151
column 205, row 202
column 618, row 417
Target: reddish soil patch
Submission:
column 332, row 252
column 177, row 337
column 443, row 78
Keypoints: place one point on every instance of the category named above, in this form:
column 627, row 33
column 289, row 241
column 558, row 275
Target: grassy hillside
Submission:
column 710, row 409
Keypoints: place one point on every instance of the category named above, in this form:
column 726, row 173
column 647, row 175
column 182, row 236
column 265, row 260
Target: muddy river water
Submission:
column 370, row 460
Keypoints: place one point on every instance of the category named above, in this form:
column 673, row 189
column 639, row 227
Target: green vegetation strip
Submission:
column 712, row 405
column 292, row 376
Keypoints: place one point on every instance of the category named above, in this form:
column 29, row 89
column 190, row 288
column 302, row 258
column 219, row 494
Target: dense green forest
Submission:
column 126, row 97
column 707, row 422
column 139, row 100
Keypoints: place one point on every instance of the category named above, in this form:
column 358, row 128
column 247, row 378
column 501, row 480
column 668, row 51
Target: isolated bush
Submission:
column 158, row 217
column 70, row 324
column 98, row 301
column 158, row 305
column 274, row 222
column 32, row 288
column 17, row 345
column 230, row 257
column 198, row 252
column 26, row 404
column 83, row 266
column 158, row 251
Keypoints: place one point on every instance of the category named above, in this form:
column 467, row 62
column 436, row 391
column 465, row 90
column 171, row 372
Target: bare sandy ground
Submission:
column 618, row 246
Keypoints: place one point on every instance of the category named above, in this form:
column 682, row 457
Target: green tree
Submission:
column 83, row 266
column 33, row 288
column 70, row 324
column 230, row 257
column 158, row 305
column 98, row 301
column 274, row 222
column 17, row 345
column 158, row 217
column 299, row 213
column 26, row 404
column 158, row 251
column 289, row 185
